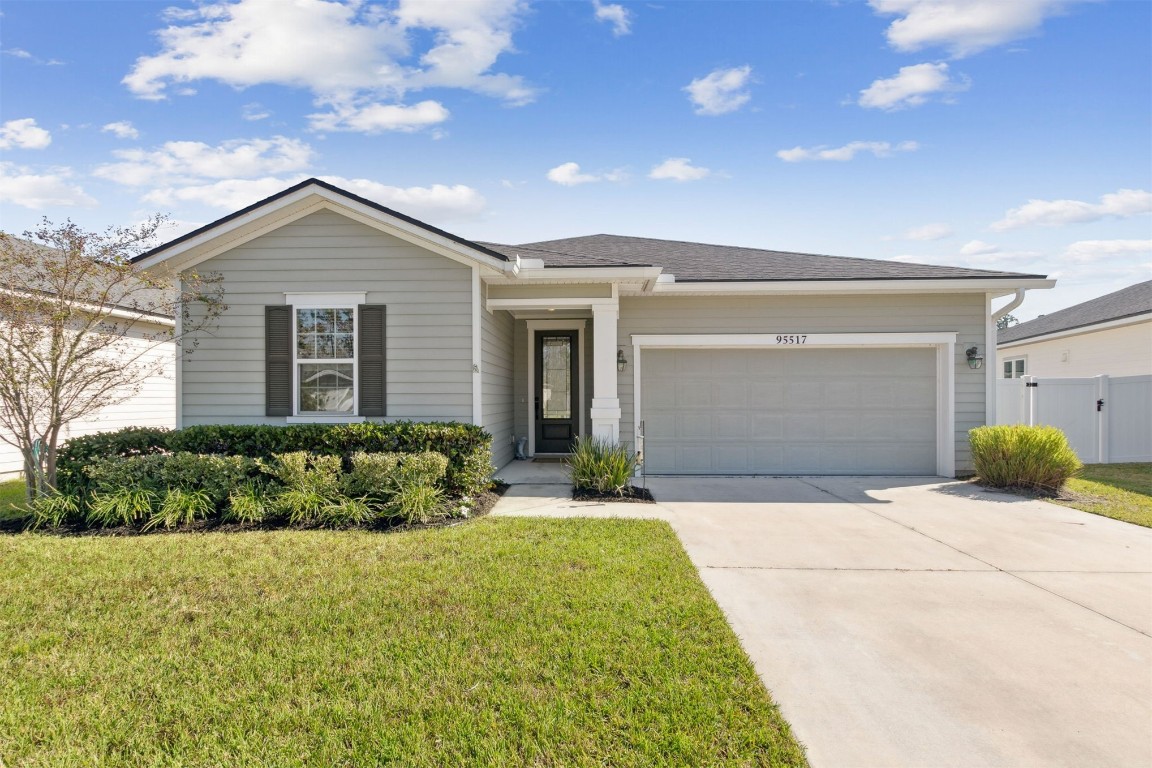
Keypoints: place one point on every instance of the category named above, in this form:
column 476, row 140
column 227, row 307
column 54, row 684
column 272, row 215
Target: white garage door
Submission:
column 772, row 411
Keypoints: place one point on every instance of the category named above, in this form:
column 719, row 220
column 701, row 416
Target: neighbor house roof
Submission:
column 1127, row 302
column 701, row 262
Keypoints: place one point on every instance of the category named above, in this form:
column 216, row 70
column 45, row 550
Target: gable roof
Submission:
column 1127, row 302
column 331, row 188
column 685, row 262
column 701, row 262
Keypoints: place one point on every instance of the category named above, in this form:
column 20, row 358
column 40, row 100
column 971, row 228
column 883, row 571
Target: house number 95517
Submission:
column 791, row 339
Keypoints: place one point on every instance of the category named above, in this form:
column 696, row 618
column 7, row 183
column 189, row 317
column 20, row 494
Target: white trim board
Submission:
column 552, row 325
column 944, row 343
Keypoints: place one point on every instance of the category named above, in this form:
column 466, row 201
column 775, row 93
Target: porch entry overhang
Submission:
column 604, row 311
column 762, row 349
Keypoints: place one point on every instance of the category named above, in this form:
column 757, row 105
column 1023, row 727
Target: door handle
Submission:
column 538, row 415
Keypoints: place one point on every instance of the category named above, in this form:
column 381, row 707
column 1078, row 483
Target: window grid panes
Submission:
column 1014, row 369
column 326, row 334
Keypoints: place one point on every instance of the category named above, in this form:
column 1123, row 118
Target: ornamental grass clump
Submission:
column 1020, row 456
column 601, row 466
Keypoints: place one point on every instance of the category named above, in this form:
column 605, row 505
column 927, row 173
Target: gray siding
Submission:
column 959, row 313
column 429, row 300
column 496, row 383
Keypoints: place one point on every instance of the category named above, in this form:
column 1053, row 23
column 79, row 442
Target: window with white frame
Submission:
column 325, row 360
column 1014, row 368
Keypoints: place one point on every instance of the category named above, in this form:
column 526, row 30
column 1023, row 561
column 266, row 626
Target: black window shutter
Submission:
column 372, row 327
column 278, row 360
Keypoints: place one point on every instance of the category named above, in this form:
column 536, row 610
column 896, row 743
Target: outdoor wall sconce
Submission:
column 621, row 361
column 975, row 359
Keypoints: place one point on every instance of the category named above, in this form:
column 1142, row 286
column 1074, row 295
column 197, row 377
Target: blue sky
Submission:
column 998, row 134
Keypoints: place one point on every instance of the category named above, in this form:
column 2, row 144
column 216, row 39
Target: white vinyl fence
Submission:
column 1108, row 420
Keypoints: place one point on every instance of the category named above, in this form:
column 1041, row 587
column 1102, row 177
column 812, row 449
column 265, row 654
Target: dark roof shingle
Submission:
column 701, row 262
column 1127, row 302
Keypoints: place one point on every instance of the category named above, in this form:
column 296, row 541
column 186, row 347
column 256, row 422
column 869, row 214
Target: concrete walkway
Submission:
column 900, row 622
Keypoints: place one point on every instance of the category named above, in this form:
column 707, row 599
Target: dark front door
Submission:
column 557, row 393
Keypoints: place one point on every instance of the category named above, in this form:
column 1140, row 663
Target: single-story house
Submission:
column 1109, row 335
column 708, row 359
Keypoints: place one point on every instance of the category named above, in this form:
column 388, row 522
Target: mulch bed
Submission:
column 632, row 494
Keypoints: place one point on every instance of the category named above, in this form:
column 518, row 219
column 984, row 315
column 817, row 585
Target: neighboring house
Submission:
column 1110, row 335
column 153, row 405
column 711, row 359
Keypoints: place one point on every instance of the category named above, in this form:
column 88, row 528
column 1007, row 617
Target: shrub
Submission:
column 372, row 473
column 81, row 451
column 54, row 510
column 123, row 507
column 428, row 467
column 414, row 501
column 344, row 511
column 311, row 492
column 249, row 503
column 601, row 466
column 1037, row 458
column 180, row 507
column 215, row 476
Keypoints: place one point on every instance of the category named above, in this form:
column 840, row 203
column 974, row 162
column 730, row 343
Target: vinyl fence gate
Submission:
column 1108, row 420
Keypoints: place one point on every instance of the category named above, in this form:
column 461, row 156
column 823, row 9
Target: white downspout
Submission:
column 1010, row 305
column 990, row 356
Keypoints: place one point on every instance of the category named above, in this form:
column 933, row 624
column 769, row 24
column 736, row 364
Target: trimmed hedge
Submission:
column 467, row 446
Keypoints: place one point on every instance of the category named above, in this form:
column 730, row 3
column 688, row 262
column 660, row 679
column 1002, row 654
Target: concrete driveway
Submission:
column 900, row 622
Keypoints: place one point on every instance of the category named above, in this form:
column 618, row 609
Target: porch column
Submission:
column 605, row 402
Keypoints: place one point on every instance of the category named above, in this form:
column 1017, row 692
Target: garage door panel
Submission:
column 732, row 426
column 813, row 411
column 695, row 426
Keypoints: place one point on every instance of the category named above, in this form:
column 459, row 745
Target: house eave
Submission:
column 994, row 287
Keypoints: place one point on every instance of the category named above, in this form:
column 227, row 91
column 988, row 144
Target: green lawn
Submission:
column 1120, row 491
column 11, row 499
column 497, row 642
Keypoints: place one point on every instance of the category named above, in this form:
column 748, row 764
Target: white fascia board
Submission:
column 769, row 340
column 1135, row 319
column 559, row 303
column 996, row 287
column 301, row 203
column 585, row 274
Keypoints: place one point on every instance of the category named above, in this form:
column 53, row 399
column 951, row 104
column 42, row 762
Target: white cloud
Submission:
column 375, row 118
column 936, row 231
column 438, row 202
column 978, row 248
column 20, row 53
column 346, row 54
column 255, row 111
column 615, row 14
column 23, row 134
column 1120, row 204
column 189, row 161
column 963, row 27
column 678, row 169
column 1087, row 251
column 846, row 152
column 21, row 186
column 910, row 87
column 569, row 175
column 122, row 130
column 720, row 91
